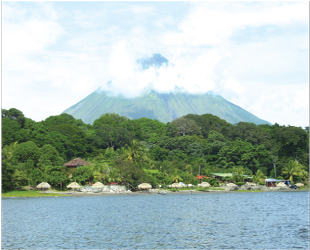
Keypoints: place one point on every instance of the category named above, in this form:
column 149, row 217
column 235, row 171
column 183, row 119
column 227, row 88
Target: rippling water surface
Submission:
column 275, row 220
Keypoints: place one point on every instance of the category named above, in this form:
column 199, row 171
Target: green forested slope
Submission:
column 162, row 107
column 146, row 150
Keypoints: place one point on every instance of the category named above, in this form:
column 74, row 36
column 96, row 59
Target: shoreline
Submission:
column 84, row 194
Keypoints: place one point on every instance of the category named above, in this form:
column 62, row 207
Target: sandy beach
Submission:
column 155, row 192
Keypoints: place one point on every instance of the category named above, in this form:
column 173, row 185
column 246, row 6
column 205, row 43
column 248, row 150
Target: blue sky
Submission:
column 254, row 54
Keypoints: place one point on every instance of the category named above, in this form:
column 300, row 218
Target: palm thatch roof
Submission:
column 144, row 186
column 205, row 185
column 176, row 185
column 98, row 185
column 44, row 185
column 77, row 163
column 73, row 185
column 231, row 185
column 250, row 184
column 281, row 184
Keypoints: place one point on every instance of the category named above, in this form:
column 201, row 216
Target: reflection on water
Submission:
column 275, row 220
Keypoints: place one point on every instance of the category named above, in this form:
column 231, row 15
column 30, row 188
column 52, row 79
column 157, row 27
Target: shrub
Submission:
column 262, row 183
column 226, row 178
column 214, row 182
column 240, row 183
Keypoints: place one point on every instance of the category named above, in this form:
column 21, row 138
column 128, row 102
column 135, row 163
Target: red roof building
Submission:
column 199, row 177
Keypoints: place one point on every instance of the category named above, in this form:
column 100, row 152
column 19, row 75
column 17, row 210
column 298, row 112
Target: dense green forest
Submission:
column 145, row 150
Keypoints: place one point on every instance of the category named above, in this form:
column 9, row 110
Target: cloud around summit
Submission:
column 254, row 54
column 128, row 79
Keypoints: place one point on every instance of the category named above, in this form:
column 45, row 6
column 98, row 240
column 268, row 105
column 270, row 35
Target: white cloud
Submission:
column 55, row 55
column 39, row 80
column 12, row 11
column 282, row 104
column 233, row 86
column 194, row 76
column 272, row 57
column 144, row 10
column 28, row 37
column 211, row 24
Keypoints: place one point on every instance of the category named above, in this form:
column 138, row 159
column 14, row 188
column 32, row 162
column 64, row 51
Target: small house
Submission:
column 76, row 163
column 220, row 176
column 273, row 182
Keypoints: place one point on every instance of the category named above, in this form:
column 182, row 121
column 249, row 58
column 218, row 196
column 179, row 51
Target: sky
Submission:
column 254, row 54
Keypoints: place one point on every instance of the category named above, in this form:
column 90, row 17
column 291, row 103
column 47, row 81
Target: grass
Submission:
column 27, row 194
column 186, row 188
column 196, row 189
column 248, row 191
column 174, row 189
column 216, row 188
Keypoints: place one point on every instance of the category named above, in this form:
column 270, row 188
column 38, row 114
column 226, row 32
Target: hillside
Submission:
column 159, row 106
column 163, row 107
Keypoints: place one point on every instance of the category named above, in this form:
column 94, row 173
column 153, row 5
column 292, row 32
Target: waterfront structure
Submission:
column 44, row 185
column 220, row 176
column 273, row 182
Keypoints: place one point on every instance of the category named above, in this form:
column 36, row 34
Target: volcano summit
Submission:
column 156, row 105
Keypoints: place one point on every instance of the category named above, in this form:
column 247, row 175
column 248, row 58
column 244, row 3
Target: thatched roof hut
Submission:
column 144, row 186
column 281, row 184
column 205, row 185
column 76, row 163
column 98, row 185
column 44, row 185
column 232, row 185
column 176, row 185
column 250, row 184
column 73, row 185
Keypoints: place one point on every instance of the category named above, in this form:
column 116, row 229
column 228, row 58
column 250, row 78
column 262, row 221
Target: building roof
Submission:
column 272, row 180
column 228, row 175
column 223, row 174
column 77, row 163
column 202, row 176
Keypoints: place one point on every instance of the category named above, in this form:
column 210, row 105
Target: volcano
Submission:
column 163, row 107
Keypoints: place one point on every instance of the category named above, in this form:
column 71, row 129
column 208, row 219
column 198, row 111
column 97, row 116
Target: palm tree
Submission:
column 136, row 152
column 176, row 177
column 303, row 173
column 189, row 169
column 293, row 168
column 259, row 176
column 98, row 176
column 238, row 174
column 113, row 176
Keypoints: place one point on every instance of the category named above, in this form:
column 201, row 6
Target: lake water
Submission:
column 268, row 220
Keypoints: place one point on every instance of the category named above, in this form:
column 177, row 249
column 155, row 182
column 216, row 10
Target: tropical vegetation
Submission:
column 131, row 152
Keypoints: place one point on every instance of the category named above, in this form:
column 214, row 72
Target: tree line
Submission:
column 145, row 150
